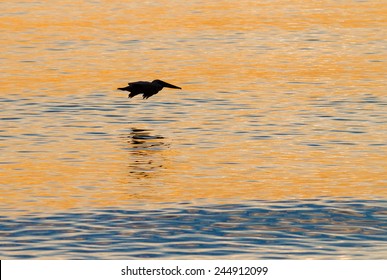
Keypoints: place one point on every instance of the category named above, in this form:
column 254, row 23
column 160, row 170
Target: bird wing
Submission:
column 139, row 87
column 138, row 83
column 144, row 87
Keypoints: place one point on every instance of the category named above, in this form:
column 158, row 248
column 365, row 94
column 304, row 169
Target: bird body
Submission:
column 147, row 89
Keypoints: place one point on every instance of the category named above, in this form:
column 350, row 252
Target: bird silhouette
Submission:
column 147, row 89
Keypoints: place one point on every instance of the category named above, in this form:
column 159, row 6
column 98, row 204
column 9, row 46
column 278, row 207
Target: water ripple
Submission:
column 293, row 229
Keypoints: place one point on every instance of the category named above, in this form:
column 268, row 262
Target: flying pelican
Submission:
column 147, row 89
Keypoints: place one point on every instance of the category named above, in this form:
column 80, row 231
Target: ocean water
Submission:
column 293, row 229
column 274, row 148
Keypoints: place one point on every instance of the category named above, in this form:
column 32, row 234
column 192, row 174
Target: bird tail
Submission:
column 121, row 88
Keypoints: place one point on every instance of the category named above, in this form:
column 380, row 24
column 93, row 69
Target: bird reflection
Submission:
column 145, row 150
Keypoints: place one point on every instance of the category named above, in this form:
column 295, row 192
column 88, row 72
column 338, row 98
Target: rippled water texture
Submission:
column 256, row 229
column 283, row 104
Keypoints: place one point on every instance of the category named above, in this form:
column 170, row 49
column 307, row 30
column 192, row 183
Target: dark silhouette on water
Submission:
column 147, row 89
column 145, row 150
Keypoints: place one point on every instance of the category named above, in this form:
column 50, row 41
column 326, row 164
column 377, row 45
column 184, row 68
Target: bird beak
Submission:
column 170, row 86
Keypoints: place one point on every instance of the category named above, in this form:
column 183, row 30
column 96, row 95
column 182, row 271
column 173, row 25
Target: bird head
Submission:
column 164, row 84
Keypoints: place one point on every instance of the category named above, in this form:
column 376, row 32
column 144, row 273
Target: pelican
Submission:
column 147, row 89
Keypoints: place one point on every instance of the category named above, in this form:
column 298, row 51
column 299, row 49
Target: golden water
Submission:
column 280, row 100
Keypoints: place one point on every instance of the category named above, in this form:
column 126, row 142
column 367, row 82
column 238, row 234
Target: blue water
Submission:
column 291, row 229
column 282, row 113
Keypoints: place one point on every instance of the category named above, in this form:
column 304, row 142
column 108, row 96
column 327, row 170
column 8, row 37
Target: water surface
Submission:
column 283, row 102
column 292, row 229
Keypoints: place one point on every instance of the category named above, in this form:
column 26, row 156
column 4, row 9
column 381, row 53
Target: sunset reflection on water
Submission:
column 280, row 101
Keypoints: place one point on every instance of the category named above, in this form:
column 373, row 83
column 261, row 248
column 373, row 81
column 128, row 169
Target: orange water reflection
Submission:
column 246, row 51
